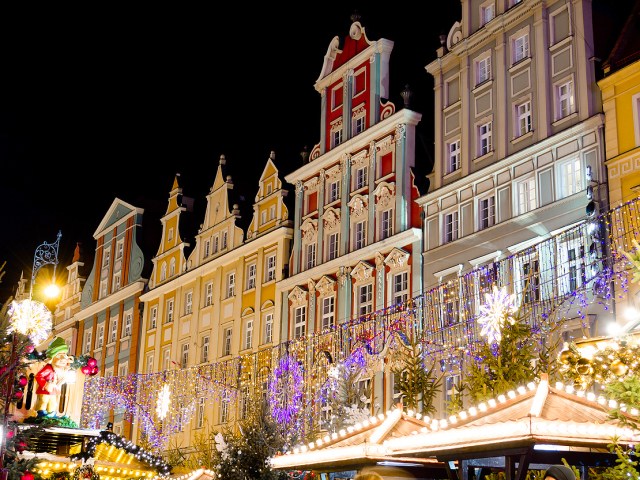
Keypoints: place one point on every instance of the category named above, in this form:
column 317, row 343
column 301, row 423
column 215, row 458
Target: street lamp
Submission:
column 31, row 319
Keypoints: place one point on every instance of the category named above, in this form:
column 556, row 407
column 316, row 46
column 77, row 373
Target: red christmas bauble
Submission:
column 29, row 348
column 92, row 362
column 21, row 446
column 86, row 370
column 22, row 381
column 27, row 476
column 10, row 434
column 3, row 369
column 18, row 394
column 95, row 371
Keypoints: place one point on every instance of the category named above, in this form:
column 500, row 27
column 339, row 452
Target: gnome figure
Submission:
column 51, row 377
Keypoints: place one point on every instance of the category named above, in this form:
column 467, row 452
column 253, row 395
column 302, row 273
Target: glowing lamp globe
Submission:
column 52, row 290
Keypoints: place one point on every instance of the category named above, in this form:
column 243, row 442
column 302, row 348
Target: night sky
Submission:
column 100, row 102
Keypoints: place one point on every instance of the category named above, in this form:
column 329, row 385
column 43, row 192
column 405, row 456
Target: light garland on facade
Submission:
column 447, row 316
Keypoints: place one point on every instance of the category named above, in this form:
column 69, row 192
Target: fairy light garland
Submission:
column 448, row 316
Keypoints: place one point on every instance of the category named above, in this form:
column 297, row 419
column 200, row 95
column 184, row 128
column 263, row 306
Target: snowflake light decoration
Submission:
column 498, row 309
column 30, row 318
column 634, row 258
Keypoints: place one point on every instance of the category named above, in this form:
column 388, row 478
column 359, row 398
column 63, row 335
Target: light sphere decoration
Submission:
column 30, row 318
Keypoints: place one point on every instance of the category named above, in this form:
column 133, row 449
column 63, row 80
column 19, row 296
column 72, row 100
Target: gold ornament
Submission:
column 618, row 368
column 583, row 367
column 566, row 356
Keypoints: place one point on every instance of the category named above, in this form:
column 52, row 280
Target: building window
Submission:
column 204, row 349
column 328, row 313
column 149, row 363
column 248, row 333
column 128, row 321
column 123, row 369
column 87, row 342
column 336, row 96
column 450, row 227
column 115, row 286
column 487, row 12
column 170, row 234
column 106, row 258
column 263, row 217
column 400, row 292
column 226, row 349
column 333, row 191
column 332, row 246
column 571, row 268
column 453, row 156
column 387, row 224
column 361, row 178
column 231, row 284
column 166, row 358
column 100, row 339
column 188, row 302
column 224, row 240
column 526, row 195
column 523, row 117
column 359, row 237
column 271, row 268
column 570, row 178
column 272, row 212
column 172, row 267
column 169, row 316
column 153, row 321
column 520, row 47
column 251, row 276
column 531, row 280
column 358, row 124
column 119, row 249
column 216, row 244
column 483, row 69
column 208, row 296
column 103, row 288
column 487, row 212
column 336, row 134
column 365, row 299
column 485, row 138
column 184, row 355
column 311, row 255
column 200, row 413
column 268, row 327
column 163, row 272
column 300, row 322
column 564, row 99
column 207, row 248
column 113, row 330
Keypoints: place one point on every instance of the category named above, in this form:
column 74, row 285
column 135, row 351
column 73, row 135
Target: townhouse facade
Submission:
column 210, row 313
column 620, row 89
column 358, row 242
column 111, row 312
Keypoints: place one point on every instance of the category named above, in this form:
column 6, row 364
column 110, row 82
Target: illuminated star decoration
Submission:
column 30, row 318
column 634, row 258
column 497, row 310
column 164, row 400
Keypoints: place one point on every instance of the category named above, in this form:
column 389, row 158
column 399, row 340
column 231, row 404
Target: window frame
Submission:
column 454, row 155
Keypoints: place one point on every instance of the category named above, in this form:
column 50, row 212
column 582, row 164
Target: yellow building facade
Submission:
column 209, row 313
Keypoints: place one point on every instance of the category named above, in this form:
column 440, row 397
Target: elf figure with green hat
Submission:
column 51, row 377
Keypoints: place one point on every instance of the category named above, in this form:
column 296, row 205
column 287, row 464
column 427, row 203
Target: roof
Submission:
column 554, row 418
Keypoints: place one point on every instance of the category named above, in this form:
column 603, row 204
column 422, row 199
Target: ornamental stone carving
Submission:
column 309, row 230
column 358, row 206
column 385, row 145
column 385, row 194
column 298, row 297
column 397, row 259
column 331, row 219
column 401, row 132
column 362, row 271
column 299, row 188
column 333, row 173
column 326, row 286
column 343, row 275
column 311, row 184
column 360, row 159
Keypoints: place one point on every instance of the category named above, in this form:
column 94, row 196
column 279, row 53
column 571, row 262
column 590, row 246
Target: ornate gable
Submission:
column 397, row 259
column 298, row 297
column 362, row 271
column 325, row 286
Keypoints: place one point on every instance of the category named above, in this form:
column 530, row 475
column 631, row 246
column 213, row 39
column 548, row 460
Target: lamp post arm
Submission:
column 46, row 254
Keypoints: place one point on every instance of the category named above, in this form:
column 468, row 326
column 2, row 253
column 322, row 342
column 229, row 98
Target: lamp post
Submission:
column 31, row 319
